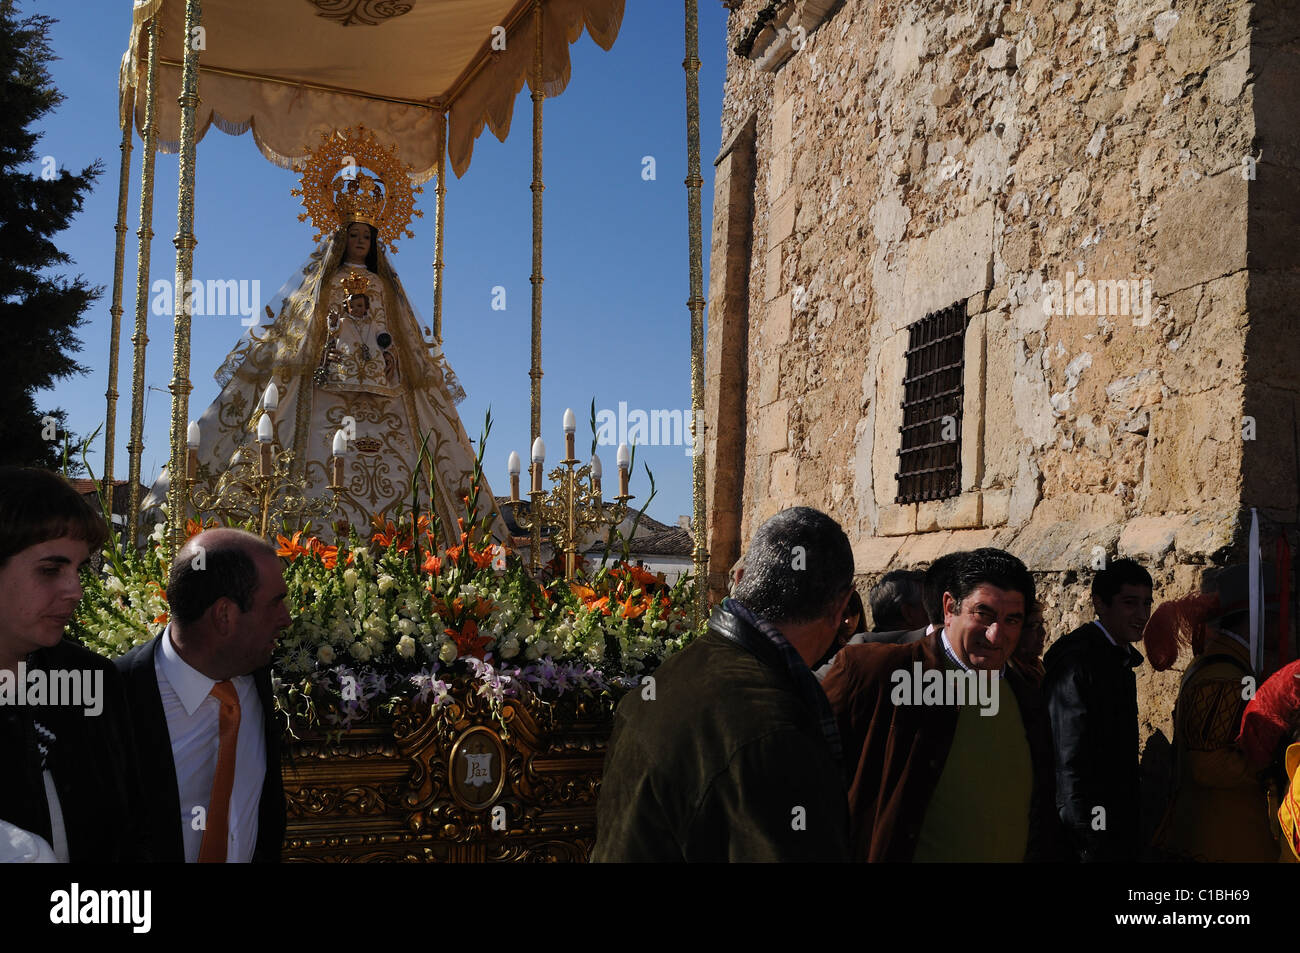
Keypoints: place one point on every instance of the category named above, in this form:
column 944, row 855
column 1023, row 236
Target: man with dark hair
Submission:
column 934, row 776
column 933, row 586
column 1091, row 693
column 729, row 752
column 896, row 602
column 69, row 777
column 202, row 706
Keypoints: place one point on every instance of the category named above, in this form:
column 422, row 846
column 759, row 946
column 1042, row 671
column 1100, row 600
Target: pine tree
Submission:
column 39, row 311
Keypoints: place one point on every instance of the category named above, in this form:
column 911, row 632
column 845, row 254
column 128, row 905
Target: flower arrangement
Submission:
column 397, row 616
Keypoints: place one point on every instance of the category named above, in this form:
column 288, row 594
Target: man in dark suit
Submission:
column 1091, row 693
column 200, row 696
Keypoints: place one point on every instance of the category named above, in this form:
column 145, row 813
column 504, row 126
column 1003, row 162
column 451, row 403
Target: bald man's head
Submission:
column 214, row 564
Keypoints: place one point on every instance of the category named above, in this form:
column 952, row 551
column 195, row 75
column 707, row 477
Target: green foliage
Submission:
column 39, row 312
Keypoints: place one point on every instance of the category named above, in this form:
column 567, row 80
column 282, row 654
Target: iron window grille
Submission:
column 930, row 450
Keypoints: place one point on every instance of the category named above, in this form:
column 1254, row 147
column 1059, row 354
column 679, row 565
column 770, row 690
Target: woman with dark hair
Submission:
column 71, row 781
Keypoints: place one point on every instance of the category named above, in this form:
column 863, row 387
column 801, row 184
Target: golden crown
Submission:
column 336, row 192
column 356, row 283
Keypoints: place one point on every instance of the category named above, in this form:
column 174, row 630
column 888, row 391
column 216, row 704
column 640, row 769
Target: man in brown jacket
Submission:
column 946, row 765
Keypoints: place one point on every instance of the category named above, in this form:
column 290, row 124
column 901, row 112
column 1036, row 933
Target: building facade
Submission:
column 1015, row 274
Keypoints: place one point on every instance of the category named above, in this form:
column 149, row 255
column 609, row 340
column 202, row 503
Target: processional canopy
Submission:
column 292, row 70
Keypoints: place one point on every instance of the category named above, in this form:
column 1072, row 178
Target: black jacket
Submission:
column 158, row 769
column 723, row 761
column 1091, row 693
column 92, row 760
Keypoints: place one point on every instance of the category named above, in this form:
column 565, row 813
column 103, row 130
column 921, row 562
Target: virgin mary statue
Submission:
column 346, row 354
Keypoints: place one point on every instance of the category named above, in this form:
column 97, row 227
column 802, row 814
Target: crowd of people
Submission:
column 170, row 753
column 787, row 732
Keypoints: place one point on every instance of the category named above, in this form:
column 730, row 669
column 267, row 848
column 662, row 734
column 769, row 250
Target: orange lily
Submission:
column 468, row 641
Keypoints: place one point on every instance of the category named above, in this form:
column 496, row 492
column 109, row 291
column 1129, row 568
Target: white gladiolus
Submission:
column 510, row 649
column 386, row 582
column 350, row 578
column 360, row 651
column 325, row 654
column 448, row 653
column 406, row 647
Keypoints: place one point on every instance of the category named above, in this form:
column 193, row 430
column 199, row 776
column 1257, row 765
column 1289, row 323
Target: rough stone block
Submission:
column 1149, row 538
column 776, row 322
column 973, row 409
column 923, row 549
column 769, row 382
column 774, row 426
column 782, row 124
column 1065, row 532
column 774, row 262
column 780, row 225
column 784, row 480
column 778, row 173
column 961, row 512
column 997, row 507
column 1194, row 451
column 950, row 264
column 875, row 553
column 1201, row 234
column 927, row 516
column 1206, row 533
column 890, row 366
column 896, row 519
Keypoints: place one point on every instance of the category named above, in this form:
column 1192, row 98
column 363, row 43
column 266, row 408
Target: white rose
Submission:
column 406, row 647
column 448, row 653
column 325, row 654
column 360, row 651
column 405, row 626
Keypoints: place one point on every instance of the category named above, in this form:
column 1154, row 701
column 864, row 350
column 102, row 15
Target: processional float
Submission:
column 450, row 69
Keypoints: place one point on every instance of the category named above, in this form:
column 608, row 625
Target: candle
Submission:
column 539, row 458
column 265, row 433
column 340, row 443
column 595, row 475
column 192, row 435
column 512, row 465
column 271, row 398
column 338, row 470
column 624, row 462
column 570, row 425
column 192, row 463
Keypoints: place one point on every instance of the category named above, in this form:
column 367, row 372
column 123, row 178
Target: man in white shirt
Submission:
column 200, row 696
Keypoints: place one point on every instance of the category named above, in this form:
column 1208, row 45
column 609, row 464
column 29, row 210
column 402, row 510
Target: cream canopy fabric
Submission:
column 292, row 69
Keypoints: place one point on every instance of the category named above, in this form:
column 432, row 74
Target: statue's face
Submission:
column 358, row 243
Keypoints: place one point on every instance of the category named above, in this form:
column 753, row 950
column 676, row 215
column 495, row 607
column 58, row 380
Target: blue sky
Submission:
column 615, row 322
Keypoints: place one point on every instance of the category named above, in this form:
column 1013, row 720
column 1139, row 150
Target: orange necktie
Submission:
column 213, row 848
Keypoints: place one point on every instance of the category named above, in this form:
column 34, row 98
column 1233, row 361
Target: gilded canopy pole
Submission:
column 115, row 310
column 538, row 189
column 440, row 212
column 696, row 303
column 184, row 242
column 135, row 445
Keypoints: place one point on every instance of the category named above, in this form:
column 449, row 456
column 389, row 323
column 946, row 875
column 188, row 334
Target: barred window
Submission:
column 930, row 451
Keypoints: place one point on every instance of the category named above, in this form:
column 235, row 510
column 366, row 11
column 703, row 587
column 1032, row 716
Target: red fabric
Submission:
column 1178, row 622
column 1268, row 718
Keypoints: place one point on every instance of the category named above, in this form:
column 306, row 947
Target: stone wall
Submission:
column 911, row 155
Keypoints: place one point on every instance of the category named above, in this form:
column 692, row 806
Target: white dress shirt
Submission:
column 193, row 724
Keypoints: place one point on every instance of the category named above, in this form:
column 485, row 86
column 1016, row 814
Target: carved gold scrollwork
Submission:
column 387, row 789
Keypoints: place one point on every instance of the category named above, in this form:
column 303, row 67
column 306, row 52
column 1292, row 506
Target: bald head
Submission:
column 216, row 563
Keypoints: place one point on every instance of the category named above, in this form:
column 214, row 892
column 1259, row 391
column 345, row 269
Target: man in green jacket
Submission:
column 730, row 751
